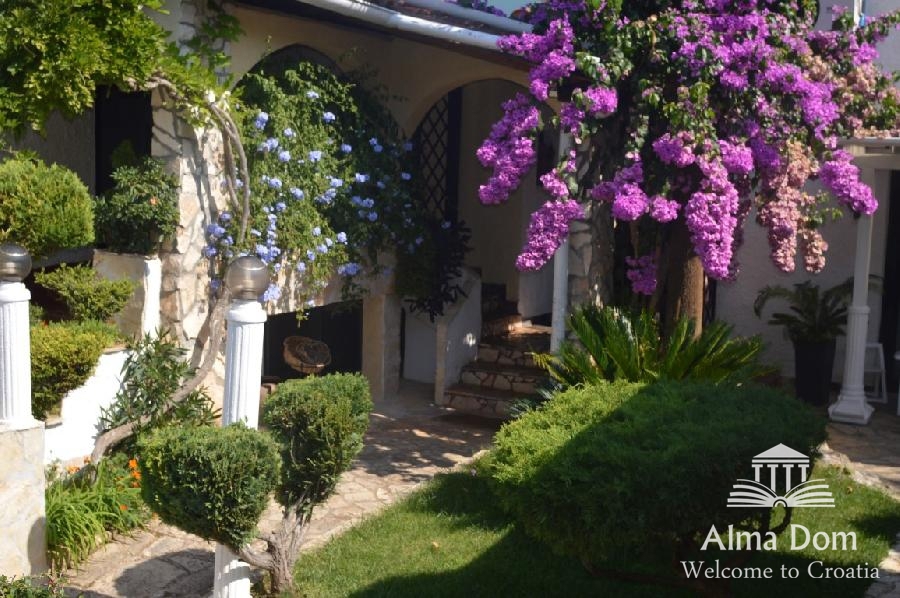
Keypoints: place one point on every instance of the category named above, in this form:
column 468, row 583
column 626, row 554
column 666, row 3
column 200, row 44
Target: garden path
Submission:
column 872, row 454
column 409, row 441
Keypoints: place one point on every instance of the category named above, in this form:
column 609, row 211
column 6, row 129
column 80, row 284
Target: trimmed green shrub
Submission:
column 615, row 345
column 153, row 372
column 212, row 482
column 45, row 208
column 63, row 357
column 29, row 587
column 140, row 211
column 614, row 472
column 86, row 294
column 319, row 424
column 86, row 506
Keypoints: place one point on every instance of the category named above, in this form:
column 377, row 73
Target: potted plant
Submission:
column 815, row 320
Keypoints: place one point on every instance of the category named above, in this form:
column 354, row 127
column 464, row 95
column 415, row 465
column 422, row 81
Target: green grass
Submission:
column 449, row 539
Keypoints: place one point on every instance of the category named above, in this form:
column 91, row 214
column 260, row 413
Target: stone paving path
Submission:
column 872, row 454
column 409, row 441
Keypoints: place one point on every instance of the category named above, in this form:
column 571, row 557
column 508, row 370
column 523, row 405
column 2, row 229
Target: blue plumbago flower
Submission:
column 361, row 178
column 266, row 209
column 446, row 224
column 261, row 119
column 368, row 202
column 214, row 230
column 328, row 117
column 362, row 213
column 275, row 183
column 271, row 144
column 342, row 237
column 280, row 206
column 311, row 255
column 238, row 183
column 227, row 241
column 407, row 146
column 373, row 141
column 322, row 248
column 209, row 251
column 373, row 216
column 284, row 156
column 272, row 293
column 225, row 217
column 215, row 284
column 346, row 148
column 277, row 268
column 377, row 148
column 335, row 183
column 330, row 194
column 289, row 133
column 349, row 269
column 419, row 240
column 255, row 232
column 356, row 200
column 329, row 242
column 262, row 252
column 297, row 193
column 315, row 156
column 405, row 176
column 316, row 231
column 301, row 267
column 380, row 184
column 312, row 95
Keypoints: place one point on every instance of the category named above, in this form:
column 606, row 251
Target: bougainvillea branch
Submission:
column 701, row 110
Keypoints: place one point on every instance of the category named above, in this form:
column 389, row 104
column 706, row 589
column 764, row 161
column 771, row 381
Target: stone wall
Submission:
column 23, row 540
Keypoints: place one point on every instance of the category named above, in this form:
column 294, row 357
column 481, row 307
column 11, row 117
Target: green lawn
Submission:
column 450, row 540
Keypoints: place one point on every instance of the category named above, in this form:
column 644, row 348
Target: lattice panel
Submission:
column 433, row 140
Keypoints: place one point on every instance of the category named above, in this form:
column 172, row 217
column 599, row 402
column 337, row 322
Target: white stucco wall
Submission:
column 498, row 231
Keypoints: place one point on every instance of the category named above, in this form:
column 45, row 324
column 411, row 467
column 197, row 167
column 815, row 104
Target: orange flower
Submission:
column 72, row 468
column 135, row 484
column 123, row 508
column 136, row 474
column 132, row 464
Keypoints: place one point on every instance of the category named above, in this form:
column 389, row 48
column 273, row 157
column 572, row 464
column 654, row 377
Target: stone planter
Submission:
column 141, row 313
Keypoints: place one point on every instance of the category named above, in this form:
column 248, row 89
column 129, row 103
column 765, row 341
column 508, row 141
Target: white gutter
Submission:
column 469, row 14
column 871, row 141
column 391, row 19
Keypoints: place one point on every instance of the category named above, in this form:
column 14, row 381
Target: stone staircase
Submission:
column 502, row 373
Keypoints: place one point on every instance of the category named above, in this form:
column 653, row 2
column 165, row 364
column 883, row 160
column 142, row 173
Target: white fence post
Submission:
column 23, row 521
column 247, row 278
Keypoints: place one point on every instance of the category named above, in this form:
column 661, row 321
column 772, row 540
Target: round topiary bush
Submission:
column 45, row 208
column 615, row 472
column 212, row 482
column 319, row 424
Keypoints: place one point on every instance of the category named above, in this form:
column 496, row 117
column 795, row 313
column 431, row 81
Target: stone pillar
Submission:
column 247, row 277
column 851, row 406
column 23, row 541
column 381, row 344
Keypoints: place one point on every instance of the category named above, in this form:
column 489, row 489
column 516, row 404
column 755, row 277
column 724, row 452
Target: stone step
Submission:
column 492, row 352
column 486, row 402
column 500, row 325
column 502, row 377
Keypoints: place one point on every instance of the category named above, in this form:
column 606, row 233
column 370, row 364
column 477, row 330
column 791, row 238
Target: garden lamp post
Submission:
column 247, row 278
column 15, row 341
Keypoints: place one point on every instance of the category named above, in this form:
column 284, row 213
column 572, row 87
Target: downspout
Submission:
column 455, row 10
column 390, row 19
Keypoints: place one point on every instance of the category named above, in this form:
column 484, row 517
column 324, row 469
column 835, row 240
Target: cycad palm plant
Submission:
column 615, row 345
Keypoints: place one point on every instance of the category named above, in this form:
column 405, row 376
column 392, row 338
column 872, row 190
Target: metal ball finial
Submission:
column 247, row 277
column 15, row 262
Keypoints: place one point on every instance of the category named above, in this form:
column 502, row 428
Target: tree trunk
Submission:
column 684, row 281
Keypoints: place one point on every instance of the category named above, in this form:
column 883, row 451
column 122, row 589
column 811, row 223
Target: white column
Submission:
column 243, row 371
column 15, row 357
column 152, row 285
column 560, row 272
column 851, row 406
column 560, row 296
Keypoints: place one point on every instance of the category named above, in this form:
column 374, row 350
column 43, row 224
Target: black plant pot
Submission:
column 813, row 363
